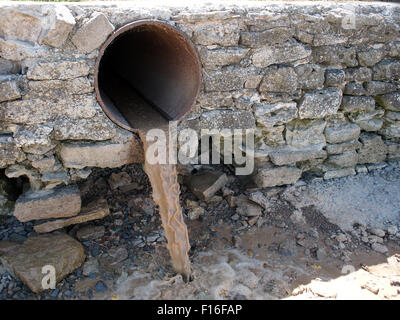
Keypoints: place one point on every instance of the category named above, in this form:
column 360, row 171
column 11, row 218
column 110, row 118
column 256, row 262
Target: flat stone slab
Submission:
column 59, row 202
column 95, row 210
column 205, row 184
column 26, row 261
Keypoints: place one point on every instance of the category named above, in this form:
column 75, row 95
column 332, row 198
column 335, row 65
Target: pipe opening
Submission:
column 147, row 73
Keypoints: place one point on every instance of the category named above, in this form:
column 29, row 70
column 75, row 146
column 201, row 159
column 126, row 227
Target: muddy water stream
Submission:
column 163, row 177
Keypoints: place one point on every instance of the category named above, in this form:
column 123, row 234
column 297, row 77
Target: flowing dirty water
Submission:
column 163, row 177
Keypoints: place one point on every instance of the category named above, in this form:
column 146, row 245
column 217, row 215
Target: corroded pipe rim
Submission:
column 130, row 26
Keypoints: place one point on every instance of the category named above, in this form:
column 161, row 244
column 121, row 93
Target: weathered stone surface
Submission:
column 61, row 24
column 215, row 100
column 9, row 152
column 290, row 155
column 212, row 59
column 15, row 50
column 56, row 178
column 19, row 24
column 282, row 53
column 272, row 136
column 334, row 77
column 370, row 125
column 9, row 67
column 358, row 74
column 44, row 164
column 29, row 136
column 205, row 184
column 374, row 88
column 26, row 261
column 270, row 36
column 89, row 233
column 310, row 76
column 335, row 55
column 393, row 151
column 332, row 174
column 277, row 176
column 391, row 130
column 248, row 209
column 357, row 104
column 370, row 57
column 120, row 179
column 42, row 110
column 320, row 103
column 92, row 33
column 98, row 128
column 95, row 210
column 373, row 149
column 279, row 79
column 195, row 213
column 225, row 33
column 304, row 133
column 58, row 88
column 342, row 147
column 344, row 160
column 102, row 155
column 390, row 101
column 386, row 70
column 16, row 170
column 9, row 90
column 226, row 79
column 355, row 89
column 58, row 70
column 45, row 204
column 269, row 115
column 342, row 134
column 220, row 119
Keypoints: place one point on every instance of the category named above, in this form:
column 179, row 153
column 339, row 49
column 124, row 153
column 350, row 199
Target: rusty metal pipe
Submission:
column 147, row 72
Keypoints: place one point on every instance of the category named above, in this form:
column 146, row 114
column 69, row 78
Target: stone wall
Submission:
column 318, row 81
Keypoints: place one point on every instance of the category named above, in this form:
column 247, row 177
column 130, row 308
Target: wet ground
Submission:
column 291, row 251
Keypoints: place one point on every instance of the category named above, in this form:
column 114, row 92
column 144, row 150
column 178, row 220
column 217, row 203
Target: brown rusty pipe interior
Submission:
column 147, row 73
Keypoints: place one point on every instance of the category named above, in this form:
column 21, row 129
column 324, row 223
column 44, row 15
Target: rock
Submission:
column 270, row 36
column 370, row 57
column 44, row 204
column 373, row 149
column 89, row 233
column 279, row 54
column 62, row 23
column 64, row 88
column 259, row 198
column 205, row 184
column 355, row 89
column 310, row 76
column 8, row 247
column 248, row 209
column 287, row 248
column 277, row 176
column 100, row 286
column 370, row 125
column 15, row 50
column 387, row 69
column 58, row 70
column 374, row 88
column 379, row 248
column 269, row 115
column 232, row 119
column 212, row 59
column 360, row 74
column 341, row 237
column 320, row 103
column 195, row 213
column 279, row 79
column 224, row 33
column 19, row 24
column 27, row 260
column 344, row 160
column 33, row 137
column 304, row 133
column 9, row 90
column 335, row 55
column 342, row 147
column 390, row 101
column 90, row 266
column 95, row 210
column 101, row 155
column 357, row 104
column 342, row 133
column 9, row 152
column 289, row 155
column 226, row 79
column 333, row 174
column 120, row 179
column 377, row 232
column 321, row 254
column 92, row 33
column 334, row 77
column 392, row 230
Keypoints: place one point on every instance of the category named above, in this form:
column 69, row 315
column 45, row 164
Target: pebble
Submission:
column 379, row 248
column 100, row 287
column 392, row 230
column 377, row 232
column 195, row 213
